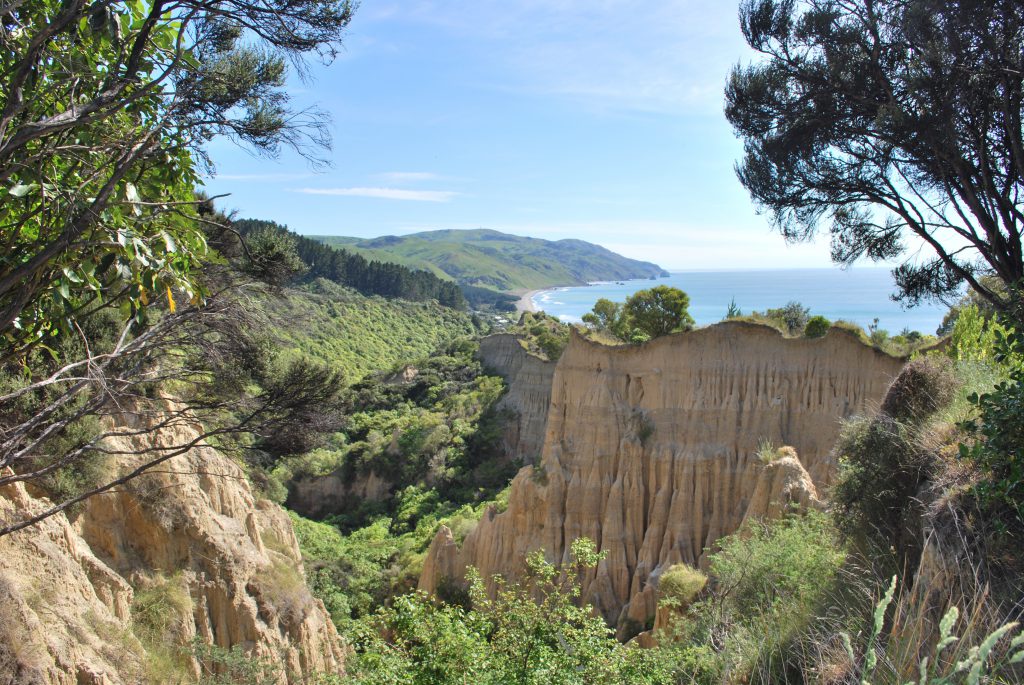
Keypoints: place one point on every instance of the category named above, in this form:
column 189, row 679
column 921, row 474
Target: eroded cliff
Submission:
column 70, row 589
column 651, row 451
column 528, row 397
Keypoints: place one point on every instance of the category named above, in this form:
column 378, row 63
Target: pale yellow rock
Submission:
column 651, row 451
column 67, row 588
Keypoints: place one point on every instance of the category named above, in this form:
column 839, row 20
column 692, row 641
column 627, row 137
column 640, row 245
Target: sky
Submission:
column 592, row 119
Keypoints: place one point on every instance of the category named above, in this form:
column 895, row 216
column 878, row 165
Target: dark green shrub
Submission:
column 882, row 468
column 999, row 452
column 924, row 386
column 817, row 327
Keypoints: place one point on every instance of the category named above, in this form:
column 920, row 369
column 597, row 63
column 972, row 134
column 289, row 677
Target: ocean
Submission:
column 859, row 295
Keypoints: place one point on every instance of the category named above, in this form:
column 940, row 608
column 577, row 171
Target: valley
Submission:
column 261, row 424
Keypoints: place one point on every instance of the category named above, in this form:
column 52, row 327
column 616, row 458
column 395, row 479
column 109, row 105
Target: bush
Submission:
column 793, row 316
column 680, row 585
column 924, row 386
column 882, row 468
column 998, row 449
column 770, row 580
column 817, row 327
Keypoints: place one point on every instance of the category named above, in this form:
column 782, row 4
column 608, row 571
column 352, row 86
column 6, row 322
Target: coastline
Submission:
column 525, row 303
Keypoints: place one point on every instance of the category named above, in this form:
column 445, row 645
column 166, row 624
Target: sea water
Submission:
column 860, row 295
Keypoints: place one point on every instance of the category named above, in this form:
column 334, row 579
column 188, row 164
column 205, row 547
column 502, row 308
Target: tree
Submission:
column 793, row 316
column 605, row 315
column 105, row 108
column 108, row 297
column 890, row 123
column 658, row 311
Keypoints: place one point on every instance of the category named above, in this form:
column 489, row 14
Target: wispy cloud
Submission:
column 665, row 56
column 409, row 176
column 385, row 193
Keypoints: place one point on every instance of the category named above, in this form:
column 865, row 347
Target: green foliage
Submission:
column 775, row 566
column 679, row 585
column 924, row 386
column 646, row 314
column 541, row 334
column 157, row 611
column 519, row 634
column 136, row 93
column 658, row 311
column 808, row 105
column 994, row 659
column 317, row 260
column 882, row 466
column 793, row 317
column 974, row 336
column 430, row 429
column 235, row 666
column 770, row 580
column 998, row 450
column 357, row 334
column 500, row 261
column 817, row 326
column 733, row 312
column 272, row 256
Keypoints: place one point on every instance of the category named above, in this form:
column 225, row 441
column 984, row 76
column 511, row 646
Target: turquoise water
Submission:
column 859, row 295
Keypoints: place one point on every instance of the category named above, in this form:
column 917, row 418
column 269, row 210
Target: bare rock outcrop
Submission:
column 529, row 381
column 651, row 451
column 67, row 587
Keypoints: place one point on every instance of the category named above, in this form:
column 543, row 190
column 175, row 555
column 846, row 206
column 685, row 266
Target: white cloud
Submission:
column 384, row 193
column 409, row 176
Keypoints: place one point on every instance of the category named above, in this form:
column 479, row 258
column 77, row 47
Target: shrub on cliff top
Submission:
column 817, row 327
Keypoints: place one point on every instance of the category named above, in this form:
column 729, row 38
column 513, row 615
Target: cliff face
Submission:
column 651, row 452
column 529, row 394
column 68, row 589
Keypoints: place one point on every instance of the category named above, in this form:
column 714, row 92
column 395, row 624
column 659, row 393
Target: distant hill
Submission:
column 500, row 261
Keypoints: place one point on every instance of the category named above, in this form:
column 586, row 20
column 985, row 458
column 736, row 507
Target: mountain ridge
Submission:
column 500, row 261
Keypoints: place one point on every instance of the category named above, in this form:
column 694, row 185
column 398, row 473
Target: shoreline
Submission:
column 525, row 302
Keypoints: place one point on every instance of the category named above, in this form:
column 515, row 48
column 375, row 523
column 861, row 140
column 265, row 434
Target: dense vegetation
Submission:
column 430, row 430
column 384, row 278
column 501, row 261
column 357, row 334
column 782, row 601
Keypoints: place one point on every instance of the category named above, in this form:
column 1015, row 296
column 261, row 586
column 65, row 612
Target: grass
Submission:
column 680, row 585
column 284, row 589
column 157, row 610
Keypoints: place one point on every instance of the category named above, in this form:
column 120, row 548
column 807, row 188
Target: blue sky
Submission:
column 592, row 119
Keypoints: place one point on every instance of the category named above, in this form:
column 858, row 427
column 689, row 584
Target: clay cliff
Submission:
column 651, row 451
column 222, row 566
column 529, row 394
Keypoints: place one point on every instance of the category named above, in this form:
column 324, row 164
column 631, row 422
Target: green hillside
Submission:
column 356, row 333
column 491, row 259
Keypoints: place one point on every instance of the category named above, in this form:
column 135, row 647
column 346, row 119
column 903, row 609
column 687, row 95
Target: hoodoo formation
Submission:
column 652, row 451
column 226, row 564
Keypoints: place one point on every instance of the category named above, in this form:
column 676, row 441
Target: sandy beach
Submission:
column 525, row 303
